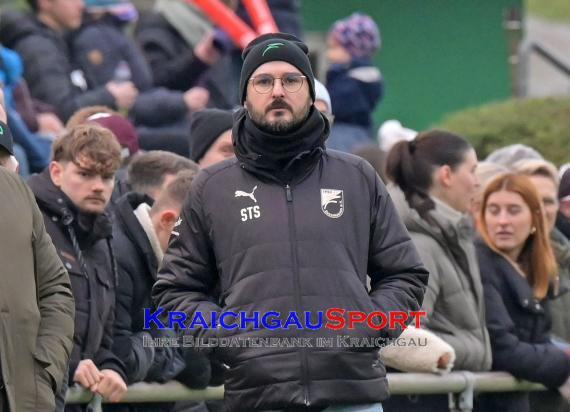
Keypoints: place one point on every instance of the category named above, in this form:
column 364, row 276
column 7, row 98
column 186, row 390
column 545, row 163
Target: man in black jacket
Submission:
column 289, row 227
column 39, row 38
column 141, row 234
column 72, row 194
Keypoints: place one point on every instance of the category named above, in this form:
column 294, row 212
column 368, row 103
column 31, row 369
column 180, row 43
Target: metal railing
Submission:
column 460, row 385
column 520, row 51
column 527, row 48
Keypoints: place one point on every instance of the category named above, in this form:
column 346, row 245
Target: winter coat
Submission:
column 175, row 67
column 137, row 268
column 171, row 59
column 83, row 244
column 560, row 306
column 307, row 246
column 355, row 89
column 104, row 53
column 519, row 326
column 454, row 299
column 36, row 303
column 48, row 68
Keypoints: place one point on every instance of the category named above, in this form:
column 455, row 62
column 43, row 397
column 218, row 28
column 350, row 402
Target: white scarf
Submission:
column 143, row 216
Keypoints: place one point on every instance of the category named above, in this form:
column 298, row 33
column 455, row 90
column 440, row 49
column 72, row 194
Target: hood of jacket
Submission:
column 128, row 223
column 452, row 233
column 445, row 228
column 89, row 228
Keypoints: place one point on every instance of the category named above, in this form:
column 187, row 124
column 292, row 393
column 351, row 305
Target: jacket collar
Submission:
column 450, row 223
column 133, row 228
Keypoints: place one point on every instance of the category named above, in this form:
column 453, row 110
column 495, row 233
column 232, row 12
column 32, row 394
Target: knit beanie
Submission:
column 275, row 47
column 358, row 34
column 321, row 93
column 122, row 9
column 206, row 126
column 122, row 128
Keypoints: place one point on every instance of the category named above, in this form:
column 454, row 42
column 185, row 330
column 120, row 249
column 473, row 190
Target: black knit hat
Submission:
column 206, row 126
column 275, row 47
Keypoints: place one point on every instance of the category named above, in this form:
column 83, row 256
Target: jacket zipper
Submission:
column 297, row 283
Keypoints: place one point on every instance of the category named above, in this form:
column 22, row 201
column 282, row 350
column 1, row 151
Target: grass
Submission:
column 555, row 10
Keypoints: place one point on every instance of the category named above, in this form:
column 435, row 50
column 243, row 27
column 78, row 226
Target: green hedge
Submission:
column 541, row 123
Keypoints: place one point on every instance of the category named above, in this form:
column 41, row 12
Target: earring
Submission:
column 532, row 230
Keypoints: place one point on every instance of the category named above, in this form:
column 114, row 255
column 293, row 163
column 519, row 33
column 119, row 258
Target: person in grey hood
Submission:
column 436, row 173
column 288, row 226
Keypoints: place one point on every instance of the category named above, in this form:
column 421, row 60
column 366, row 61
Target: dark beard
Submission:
column 281, row 127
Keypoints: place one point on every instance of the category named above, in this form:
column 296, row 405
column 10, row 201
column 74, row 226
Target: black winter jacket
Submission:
column 358, row 82
column 519, row 327
column 174, row 65
column 171, row 59
column 137, row 267
column 293, row 248
column 91, row 271
column 119, row 56
column 48, row 69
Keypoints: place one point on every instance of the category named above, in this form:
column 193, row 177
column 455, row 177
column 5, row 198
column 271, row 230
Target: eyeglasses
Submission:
column 291, row 82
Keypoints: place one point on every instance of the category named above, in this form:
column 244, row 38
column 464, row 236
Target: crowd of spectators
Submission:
column 111, row 125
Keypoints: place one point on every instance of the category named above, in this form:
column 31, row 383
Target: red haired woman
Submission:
column 518, row 270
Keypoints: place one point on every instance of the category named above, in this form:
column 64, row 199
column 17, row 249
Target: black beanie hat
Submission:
column 207, row 125
column 272, row 47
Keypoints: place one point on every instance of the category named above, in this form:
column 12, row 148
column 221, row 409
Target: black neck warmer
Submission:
column 280, row 157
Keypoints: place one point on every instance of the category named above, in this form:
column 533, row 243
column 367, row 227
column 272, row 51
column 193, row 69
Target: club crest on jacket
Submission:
column 332, row 202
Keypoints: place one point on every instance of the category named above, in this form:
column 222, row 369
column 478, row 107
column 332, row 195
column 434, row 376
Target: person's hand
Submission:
column 87, row 375
column 196, row 98
column 111, row 387
column 125, row 94
column 205, row 49
column 49, row 123
column 3, row 114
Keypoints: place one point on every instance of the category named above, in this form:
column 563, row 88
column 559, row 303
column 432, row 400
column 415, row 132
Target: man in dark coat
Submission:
column 103, row 51
column 289, row 227
column 141, row 235
column 72, row 195
column 36, row 303
column 39, row 38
